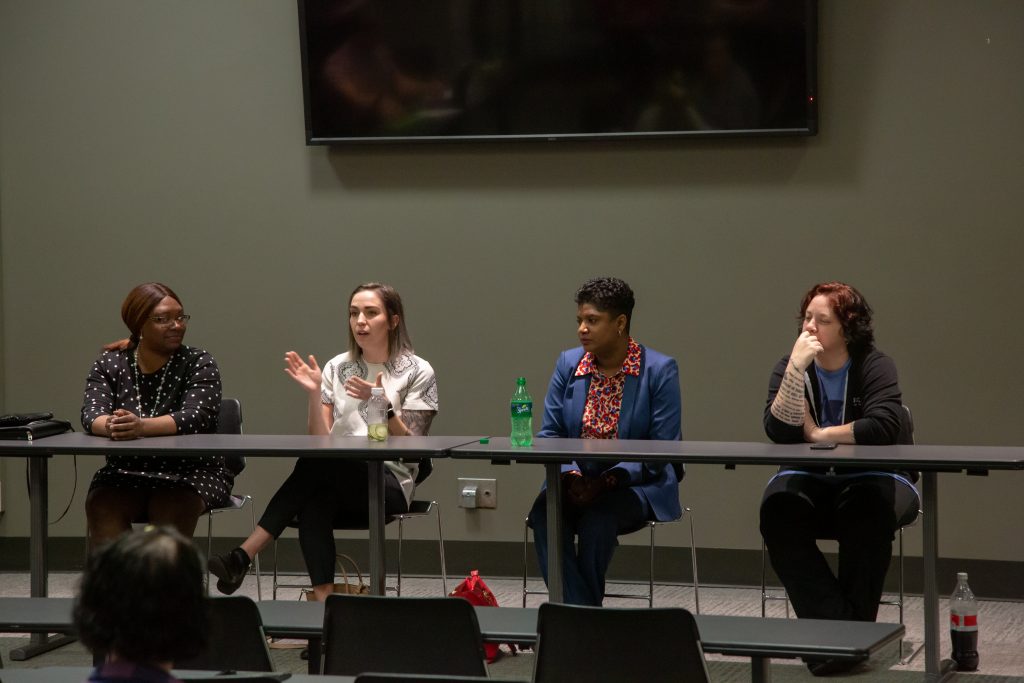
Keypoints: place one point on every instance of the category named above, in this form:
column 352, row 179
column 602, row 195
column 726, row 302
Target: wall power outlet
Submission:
column 478, row 493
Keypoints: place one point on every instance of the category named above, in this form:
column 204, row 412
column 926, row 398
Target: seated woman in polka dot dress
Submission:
column 151, row 384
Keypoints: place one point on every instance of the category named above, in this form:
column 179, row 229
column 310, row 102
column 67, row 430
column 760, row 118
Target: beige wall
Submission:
column 142, row 139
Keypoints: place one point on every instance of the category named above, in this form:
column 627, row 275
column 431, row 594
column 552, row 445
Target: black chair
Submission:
column 235, row 638
column 598, row 644
column 229, row 421
column 401, row 635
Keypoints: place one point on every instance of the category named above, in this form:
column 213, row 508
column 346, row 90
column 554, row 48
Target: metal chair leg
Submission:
column 693, row 561
column 398, row 580
column 432, row 505
column 256, row 560
column 209, row 549
column 765, row 595
column 274, row 583
column 650, row 573
column 526, row 541
column 440, row 545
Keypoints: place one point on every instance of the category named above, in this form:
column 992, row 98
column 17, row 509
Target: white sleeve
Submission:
column 327, row 378
column 421, row 392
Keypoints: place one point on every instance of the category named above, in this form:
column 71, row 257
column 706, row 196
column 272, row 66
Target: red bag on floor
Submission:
column 477, row 593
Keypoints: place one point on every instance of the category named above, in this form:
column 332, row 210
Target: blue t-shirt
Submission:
column 832, row 385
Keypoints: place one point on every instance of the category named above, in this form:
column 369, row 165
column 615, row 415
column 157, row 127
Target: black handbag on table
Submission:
column 29, row 426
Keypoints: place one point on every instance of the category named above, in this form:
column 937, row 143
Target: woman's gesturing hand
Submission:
column 307, row 375
column 805, row 350
column 359, row 388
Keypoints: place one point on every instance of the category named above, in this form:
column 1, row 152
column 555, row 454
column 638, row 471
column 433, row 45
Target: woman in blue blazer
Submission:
column 610, row 387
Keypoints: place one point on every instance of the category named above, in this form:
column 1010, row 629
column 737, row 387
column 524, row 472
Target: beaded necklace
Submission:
column 138, row 383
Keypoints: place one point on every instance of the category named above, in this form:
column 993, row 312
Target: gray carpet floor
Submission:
column 1001, row 628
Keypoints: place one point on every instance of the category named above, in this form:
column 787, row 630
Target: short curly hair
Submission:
column 852, row 310
column 608, row 294
column 142, row 598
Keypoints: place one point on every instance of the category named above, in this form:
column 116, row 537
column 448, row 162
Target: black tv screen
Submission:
column 420, row 70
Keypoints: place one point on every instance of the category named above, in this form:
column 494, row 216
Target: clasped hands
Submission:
column 581, row 490
column 124, row 425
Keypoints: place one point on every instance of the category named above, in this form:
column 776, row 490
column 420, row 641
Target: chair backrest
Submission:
column 426, row 466
column 364, row 634
column 598, row 644
column 906, row 435
column 229, row 421
column 235, row 638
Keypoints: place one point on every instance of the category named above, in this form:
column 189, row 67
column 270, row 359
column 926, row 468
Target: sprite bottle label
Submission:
column 522, row 409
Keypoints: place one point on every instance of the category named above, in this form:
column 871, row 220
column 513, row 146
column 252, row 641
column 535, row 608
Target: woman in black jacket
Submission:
column 835, row 386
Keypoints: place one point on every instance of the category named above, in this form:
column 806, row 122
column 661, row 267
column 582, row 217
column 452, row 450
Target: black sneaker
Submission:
column 230, row 570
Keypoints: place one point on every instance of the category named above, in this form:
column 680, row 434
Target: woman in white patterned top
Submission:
column 324, row 493
column 151, row 384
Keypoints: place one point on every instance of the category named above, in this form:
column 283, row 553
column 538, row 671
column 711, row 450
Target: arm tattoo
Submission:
column 788, row 405
column 418, row 421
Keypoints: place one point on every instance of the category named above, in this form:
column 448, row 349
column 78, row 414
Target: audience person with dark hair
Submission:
column 323, row 493
column 151, row 384
column 610, row 387
column 142, row 607
column 835, row 386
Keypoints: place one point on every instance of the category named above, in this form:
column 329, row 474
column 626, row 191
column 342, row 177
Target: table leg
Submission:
column 38, row 512
column 760, row 670
column 378, row 569
column 315, row 655
column 935, row 669
column 553, row 472
column 37, row 558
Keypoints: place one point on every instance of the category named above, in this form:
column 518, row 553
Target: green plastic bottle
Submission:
column 522, row 415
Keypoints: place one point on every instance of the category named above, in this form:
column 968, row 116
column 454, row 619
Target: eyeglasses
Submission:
column 167, row 321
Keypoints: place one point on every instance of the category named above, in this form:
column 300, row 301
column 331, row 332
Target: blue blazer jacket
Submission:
column 651, row 409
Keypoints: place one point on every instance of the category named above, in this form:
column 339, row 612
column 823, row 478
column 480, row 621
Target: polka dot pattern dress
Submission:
column 190, row 394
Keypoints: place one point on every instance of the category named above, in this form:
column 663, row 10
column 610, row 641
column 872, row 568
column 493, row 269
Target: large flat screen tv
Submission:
column 441, row 70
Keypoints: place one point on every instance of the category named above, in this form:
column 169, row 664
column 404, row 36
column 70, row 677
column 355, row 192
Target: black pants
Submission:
column 324, row 494
column 861, row 511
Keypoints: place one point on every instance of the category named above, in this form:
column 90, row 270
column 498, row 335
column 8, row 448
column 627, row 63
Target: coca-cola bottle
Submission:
column 963, row 625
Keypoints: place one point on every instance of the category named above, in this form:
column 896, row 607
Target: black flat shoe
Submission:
column 830, row 667
column 229, row 569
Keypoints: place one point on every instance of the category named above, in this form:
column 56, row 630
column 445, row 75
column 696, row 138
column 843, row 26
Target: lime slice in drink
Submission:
column 377, row 432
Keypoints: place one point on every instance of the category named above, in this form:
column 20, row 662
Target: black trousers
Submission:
column 323, row 494
column 861, row 511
